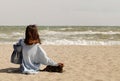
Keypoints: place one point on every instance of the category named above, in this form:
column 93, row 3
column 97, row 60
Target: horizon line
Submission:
column 61, row 25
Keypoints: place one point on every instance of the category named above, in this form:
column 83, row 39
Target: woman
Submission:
column 33, row 54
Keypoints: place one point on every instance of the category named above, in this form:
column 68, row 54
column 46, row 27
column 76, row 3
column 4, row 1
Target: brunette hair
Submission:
column 31, row 35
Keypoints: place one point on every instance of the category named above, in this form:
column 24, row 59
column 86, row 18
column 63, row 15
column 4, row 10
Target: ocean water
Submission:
column 65, row 35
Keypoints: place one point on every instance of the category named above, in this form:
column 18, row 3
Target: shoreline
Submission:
column 62, row 45
column 78, row 42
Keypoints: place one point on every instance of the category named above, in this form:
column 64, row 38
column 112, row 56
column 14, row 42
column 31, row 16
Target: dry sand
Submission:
column 82, row 63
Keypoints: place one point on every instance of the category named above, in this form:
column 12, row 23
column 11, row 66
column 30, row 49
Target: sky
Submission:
column 60, row 12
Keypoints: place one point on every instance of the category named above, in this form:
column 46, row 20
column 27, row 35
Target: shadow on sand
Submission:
column 10, row 70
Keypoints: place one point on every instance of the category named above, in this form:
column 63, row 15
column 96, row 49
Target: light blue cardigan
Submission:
column 33, row 57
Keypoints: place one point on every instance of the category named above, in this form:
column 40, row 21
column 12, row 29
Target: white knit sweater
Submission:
column 33, row 57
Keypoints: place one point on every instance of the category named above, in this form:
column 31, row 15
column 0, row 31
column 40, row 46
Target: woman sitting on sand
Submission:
column 33, row 54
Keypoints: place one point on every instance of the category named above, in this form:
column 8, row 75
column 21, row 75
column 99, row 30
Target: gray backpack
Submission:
column 16, row 56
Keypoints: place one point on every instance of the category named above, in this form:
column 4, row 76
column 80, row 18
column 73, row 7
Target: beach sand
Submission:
column 82, row 63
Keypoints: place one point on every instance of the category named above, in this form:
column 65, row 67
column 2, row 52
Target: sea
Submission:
column 65, row 35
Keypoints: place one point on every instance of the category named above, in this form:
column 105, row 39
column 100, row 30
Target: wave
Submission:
column 79, row 42
column 69, row 42
column 68, row 37
column 11, row 35
column 2, row 35
column 43, row 33
column 16, row 33
column 80, row 32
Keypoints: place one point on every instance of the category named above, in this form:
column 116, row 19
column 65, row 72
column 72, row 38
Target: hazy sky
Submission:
column 60, row 12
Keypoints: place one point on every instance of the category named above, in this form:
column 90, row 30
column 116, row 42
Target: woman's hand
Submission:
column 61, row 64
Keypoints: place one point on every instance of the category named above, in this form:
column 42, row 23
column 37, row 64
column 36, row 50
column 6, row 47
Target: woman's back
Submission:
column 33, row 57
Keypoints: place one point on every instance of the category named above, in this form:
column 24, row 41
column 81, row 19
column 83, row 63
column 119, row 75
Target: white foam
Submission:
column 7, row 43
column 66, row 28
column 16, row 34
column 2, row 35
column 80, row 32
column 80, row 42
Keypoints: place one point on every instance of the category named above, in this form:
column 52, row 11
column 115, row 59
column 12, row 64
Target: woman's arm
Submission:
column 43, row 58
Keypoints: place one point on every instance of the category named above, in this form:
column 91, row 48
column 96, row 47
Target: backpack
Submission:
column 16, row 56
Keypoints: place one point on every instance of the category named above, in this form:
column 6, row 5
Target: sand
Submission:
column 82, row 63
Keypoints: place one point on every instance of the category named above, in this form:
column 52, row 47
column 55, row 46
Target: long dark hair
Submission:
column 31, row 35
